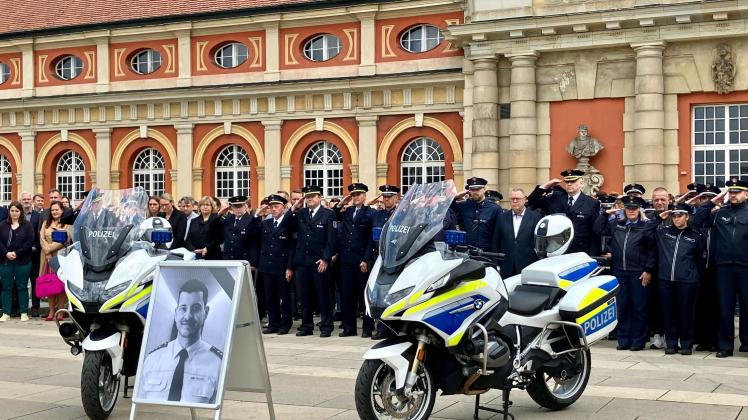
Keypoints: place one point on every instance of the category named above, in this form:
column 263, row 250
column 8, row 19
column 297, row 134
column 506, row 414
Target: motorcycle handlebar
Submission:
column 477, row 252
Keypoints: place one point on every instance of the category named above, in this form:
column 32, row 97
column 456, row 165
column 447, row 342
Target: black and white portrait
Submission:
column 187, row 333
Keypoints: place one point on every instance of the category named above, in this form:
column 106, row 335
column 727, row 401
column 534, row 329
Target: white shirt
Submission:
column 313, row 211
column 517, row 220
column 278, row 221
column 574, row 198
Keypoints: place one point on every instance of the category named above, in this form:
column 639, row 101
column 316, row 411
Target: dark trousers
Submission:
column 654, row 309
column 14, row 274
column 633, row 298
column 313, row 282
column 277, row 301
column 259, row 291
column 732, row 280
column 706, row 310
column 352, row 284
column 678, row 301
column 32, row 278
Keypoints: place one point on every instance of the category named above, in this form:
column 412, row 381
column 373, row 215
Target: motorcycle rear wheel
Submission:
column 556, row 393
column 99, row 387
column 376, row 396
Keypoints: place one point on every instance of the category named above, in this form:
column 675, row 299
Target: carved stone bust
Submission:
column 584, row 145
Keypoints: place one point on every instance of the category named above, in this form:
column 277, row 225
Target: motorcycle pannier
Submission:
column 591, row 303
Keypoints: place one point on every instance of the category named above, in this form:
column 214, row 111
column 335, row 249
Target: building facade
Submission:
column 262, row 95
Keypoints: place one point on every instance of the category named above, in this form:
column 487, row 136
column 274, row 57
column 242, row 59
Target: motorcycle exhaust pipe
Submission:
column 68, row 330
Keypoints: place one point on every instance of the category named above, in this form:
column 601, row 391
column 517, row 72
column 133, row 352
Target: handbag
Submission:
column 48, row 284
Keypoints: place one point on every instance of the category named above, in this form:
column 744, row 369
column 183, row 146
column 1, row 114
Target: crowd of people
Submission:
column 678, row 258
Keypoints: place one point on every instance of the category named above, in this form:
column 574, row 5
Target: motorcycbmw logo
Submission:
column 101, row 234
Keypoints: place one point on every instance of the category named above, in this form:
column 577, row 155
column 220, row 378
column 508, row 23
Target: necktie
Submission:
column 175, row 392
column 275, row 224
column 311, row 214
column 355, row 211
column 571, row 201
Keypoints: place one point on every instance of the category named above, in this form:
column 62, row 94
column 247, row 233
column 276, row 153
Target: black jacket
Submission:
column 354, row 241
column 680, row 254
column 316, row 237
column 729, row 237
column 206, row 234
column 518, row 252
column 19, row 241
column 278, row 243
column 582, row 215
column 239, row 238
column 178, row 222
column 478, row 220
column 633, row 245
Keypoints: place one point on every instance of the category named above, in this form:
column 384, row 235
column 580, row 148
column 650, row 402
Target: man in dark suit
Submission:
column 34, row 218
column 580, row 208
column 275, row 264
column 355, row 253
column 515, row 235
column 315, row 246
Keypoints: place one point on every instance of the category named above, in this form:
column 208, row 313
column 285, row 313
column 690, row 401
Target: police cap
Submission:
column 357, row 187
column 494, row 195
column 709, row 189
column 276, row 199
column 695, row 186
column 736, row 185
column 312, row 189
column 682, row 208
column 634, row 188
column 388, row 189
column 572, row 175
column 237, row 200
column 633, row 202
column 475, row 183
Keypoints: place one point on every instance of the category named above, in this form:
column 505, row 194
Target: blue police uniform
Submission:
column 238, row 234
column 477, row 219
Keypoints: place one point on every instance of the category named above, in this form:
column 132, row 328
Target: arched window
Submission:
column 71, row 175
column 232, row 172
column 422, row 163
column 6, row 181
column 323, row 165
column 149, row 171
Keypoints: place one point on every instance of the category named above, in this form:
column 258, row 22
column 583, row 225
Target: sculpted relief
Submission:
column 723, row 69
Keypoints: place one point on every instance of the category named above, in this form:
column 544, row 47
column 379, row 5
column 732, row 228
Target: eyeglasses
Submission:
column 517, row 199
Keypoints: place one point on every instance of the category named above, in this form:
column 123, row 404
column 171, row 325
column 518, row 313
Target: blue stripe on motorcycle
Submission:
column 580, row 272
column 609, row 285
column 143, row 310
column 450, row 318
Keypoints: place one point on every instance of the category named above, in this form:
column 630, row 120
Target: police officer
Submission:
column 476, row 215
column 355, row 255
column 185, row 369
column 239, row 229
column 636, row 190
column 389, row 195
column 633, row 254
column 275, row 264
column 315, row 246
column 576, row 205
column 728, row 243
column 494, row 196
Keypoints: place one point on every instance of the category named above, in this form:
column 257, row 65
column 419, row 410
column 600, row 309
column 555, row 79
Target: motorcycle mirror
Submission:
column 454, row 237
column 161, row 236
column 59, row 236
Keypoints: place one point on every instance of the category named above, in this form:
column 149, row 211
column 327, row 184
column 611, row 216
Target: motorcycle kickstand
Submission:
column 127, row 387
column 504, row 406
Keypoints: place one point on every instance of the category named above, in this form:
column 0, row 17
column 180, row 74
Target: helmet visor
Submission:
column 552, row 243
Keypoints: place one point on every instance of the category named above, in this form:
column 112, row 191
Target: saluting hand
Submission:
column 553, row 182
column 664, row 215
column 364, row 267
column 645, row 278
column 321, row 266
column 612, row 211
column 720, row 198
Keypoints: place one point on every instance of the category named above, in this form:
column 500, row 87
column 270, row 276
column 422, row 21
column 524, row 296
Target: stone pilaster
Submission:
column 382, row 169
column 368, row 42
column 28, row 162
column 103, row 156
column 485, row 157
column 272, row 155
column 523, row 127
column 27, row 68
column 184, row 163
column 649, row 118
column 184, row 52
column 286, row 177
column 467, row 116
column 367, row 150
column 272, row 60
column 102, row 65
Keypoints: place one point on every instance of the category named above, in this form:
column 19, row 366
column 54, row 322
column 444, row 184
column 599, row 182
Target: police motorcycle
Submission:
column 108, row 275
column 460, row 328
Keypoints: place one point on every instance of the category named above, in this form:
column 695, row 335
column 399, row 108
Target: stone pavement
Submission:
column 314, row 378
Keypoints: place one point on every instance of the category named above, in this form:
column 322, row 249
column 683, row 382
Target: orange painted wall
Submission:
column 685, row 104
column 204, row 48
column 604, row 117
column 121, row 54
column 45, row 65
column 292, row 40
column 50, row 160
column 132, row 150
column 14, row 63
column 388, row 33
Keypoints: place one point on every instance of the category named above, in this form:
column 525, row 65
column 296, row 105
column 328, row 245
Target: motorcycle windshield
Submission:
column 415, row 222
column 104, row 226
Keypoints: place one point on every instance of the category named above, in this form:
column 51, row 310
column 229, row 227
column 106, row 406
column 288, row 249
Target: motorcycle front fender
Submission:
column 107, row 340
column 391, row 352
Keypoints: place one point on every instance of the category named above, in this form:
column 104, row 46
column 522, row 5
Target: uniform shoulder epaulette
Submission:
column 159, row 347
column 217, row 352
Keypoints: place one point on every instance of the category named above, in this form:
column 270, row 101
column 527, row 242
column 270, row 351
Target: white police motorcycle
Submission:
column 108, row 274
column 460, row 328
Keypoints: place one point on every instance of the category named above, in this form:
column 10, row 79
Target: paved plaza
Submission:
column 314, row 378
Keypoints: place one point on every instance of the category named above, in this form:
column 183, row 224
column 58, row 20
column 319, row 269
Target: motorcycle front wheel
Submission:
column 99, row 387
column 377, row 396
column 556, row 393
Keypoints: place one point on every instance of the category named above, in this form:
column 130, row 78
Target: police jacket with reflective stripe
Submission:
column 632, row 245
column 680, row 254
column 729, row 234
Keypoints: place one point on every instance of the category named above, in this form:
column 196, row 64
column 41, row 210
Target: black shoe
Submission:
column 302, row 333
column 670, row 350
column 636, row 348
column 282, row 332
column 346, row 334
column 269, row 330
column 724, row 353
column 325, row 334
column 702, row 347
column 623, row 347
column 686, row 352
column 378, row 336
column 743, row 348
column 34, row 313
column 366, row 334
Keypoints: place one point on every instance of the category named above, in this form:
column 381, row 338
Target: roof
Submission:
column 33, row 16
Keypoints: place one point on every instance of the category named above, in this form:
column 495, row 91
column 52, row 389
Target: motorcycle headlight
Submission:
column 114, row 291
column 438, row 284
column 396, row 296
column 90, row 291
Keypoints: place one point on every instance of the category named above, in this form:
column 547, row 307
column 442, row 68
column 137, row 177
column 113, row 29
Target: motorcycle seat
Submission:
column 528, row 300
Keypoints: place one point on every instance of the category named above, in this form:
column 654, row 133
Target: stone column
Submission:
column 523, row 127
column 367, row 151
column 102, row 64
column 368, row 40
column 272, row 155
column 649, row 118
column 467, row 117
column 485, row 158
column 184, row 160
column 28, row 161
column 286, row 177
column 103, row 156
column 27, row 69
column 184, row 52
column 272, row 45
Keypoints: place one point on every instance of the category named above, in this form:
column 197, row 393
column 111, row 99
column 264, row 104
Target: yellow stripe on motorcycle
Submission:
column 111, row 303
column 415, row 297
column 454, row 340
column 592, row 313
column 135, row 299
column 591, row 297
column 74, row 300
column 394, row 308
column 464, row 289
column 565, row 284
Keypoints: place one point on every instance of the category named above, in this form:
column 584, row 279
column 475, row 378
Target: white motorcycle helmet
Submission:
column 148, row 226
column 553, row 235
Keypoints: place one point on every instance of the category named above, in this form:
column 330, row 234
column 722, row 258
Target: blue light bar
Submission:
column 454, row 237
column 59, row 236
column 376, row 233
column 161, row 236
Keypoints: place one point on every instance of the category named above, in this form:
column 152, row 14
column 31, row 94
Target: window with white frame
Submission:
column 68, row 67
column 231, row 55
column 71, row 175
column 4, row 73
column 720, row 143
column 421, row 38
column 422, row 163
column 149, row 171
column 323, row 166
column 232, row 172
column 6, row 181
column 145, row 61
column 322, row 47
